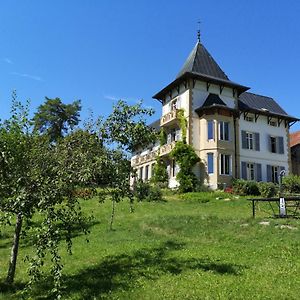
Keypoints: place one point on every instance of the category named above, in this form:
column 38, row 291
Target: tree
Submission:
column 126, row 127
column 55, row 118
column 39, row 178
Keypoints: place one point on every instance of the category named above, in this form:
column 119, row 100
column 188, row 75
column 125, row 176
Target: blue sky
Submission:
column 102, row 51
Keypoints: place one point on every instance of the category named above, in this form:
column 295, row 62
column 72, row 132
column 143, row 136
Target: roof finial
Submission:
column 198, row 32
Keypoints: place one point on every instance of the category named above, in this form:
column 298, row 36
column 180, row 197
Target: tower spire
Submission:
column 198, row 32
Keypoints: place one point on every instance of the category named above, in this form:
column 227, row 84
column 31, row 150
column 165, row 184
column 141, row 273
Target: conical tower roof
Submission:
column 202, row 63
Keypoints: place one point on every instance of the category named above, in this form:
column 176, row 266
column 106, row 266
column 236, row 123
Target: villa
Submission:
column 235, row 133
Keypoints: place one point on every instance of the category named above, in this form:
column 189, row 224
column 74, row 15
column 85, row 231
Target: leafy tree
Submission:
column 126, row 126
column 55, row 118
column 186, row 158
column 39, row 177
column 126, row 129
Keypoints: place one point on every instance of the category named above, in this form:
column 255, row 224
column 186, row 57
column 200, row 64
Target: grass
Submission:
column 196, row 246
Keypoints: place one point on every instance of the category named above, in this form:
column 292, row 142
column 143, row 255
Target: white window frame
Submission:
column 222, row 131
column 222, row 164
column 250, row 167
column 250, row 139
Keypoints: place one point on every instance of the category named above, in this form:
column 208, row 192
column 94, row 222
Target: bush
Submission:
column 155, row 194
column 267, row 189
column 144, row 191
column 291, row 183
column 245, row 187
column 141, row 190
column 195, row 196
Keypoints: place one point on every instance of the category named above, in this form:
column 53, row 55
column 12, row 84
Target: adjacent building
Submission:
column 236, row 134
column 295, row 152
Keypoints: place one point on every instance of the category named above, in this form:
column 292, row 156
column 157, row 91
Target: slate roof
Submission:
column 213, row 99
column 200, row 65
column 155, row 125
column 263, row 104
column 201, row 62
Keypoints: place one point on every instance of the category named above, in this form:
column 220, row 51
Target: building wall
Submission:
column 264, row 156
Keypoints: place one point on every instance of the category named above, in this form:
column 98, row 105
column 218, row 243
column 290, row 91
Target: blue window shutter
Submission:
column 210, row 130
column 280, row 145
column 258, row 172
column 226, row 133
column 269, row 173
column 244, row 140
column 257, row 142
column 210, row 163
column 244, row 170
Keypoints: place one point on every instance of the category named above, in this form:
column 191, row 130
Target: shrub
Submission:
column 155, row 194
column 141, row 190
column 195, row 196
column 144, row 191
column 267, row 189
column 291, row 183
column 245, row 187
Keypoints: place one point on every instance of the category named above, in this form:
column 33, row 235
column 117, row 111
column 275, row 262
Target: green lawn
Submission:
column 178, row 249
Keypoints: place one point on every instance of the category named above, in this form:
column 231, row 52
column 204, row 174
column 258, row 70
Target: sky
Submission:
column 100, row 51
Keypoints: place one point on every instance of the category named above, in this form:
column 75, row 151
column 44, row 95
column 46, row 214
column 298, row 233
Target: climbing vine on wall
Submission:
column 160, row 174
column 182, row 123
column 186, row 158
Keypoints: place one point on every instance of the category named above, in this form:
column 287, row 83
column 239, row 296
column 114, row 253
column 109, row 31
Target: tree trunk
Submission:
column 14, row 251
column 112, row 214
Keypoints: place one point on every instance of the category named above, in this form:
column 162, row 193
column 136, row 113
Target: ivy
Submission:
column 182, row 123
column 162, row 137
column 160, row 174
column 186, row 158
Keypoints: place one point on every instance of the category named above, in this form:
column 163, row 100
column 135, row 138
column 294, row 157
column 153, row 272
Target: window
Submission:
column 141, row 173
column 250, row 171
column 273, row 123
column 225, row 164
column 173, row 169
column 249, row 119
column 276, row 144
column 210, row 130
column 249, row 140
column 147, row 172
column 224, row 131
column 210, row 163
column 273, row 144
column 152, row 169
column 274, row 174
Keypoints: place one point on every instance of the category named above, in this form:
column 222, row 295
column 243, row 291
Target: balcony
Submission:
column 166, row 149
column 169, row 118
column 144, row 158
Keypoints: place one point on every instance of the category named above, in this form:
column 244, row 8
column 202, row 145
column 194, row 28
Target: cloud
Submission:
column 7, row 60
column 117, row 98
column 34, row 77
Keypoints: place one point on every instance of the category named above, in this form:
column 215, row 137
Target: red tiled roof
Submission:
column 294, row 138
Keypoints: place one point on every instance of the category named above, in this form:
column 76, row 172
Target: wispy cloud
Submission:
column 7, row 60
column 33, row 77
column 117, row 98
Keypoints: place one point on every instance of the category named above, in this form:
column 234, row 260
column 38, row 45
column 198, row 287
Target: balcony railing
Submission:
column 144, row 158
column 167, row 148
column 169, row 117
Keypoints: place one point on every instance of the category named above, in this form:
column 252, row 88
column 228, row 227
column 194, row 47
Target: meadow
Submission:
column 193, row 246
